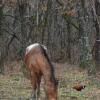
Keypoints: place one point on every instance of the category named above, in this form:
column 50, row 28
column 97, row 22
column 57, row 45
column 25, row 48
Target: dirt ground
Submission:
column 15, row 86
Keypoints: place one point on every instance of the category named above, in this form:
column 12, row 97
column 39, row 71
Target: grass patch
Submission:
column 17, row 87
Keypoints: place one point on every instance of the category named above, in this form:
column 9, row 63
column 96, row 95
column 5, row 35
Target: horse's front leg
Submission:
column 34, row 90
column 36, row 93
column 33, row 95
column 38, row 87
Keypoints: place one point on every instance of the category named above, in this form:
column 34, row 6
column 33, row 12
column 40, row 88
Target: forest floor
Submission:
column 17, row 87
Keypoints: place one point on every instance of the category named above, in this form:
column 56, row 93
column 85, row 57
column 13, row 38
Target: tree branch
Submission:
column 13, row 35
column 60, row 3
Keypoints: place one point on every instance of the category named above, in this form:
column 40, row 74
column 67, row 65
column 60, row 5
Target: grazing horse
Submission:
column 38, row 64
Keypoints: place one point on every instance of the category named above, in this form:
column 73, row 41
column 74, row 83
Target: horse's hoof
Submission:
column 32, row 98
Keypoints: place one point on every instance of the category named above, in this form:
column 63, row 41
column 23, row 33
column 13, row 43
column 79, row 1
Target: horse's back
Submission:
column 34, row 57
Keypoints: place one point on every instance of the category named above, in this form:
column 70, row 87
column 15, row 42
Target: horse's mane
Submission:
column 44, row 50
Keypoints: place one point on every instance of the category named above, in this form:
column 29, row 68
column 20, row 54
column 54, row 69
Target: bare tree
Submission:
column 86, row 32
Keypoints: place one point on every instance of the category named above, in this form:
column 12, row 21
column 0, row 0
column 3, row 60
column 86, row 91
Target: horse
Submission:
column 38, row 65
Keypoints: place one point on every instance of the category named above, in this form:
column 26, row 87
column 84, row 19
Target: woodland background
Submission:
column 69, row 28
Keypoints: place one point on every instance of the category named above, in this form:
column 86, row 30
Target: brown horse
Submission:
column 38, row 64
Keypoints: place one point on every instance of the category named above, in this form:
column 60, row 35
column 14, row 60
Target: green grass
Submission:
column 17, row 87
column 14, row 88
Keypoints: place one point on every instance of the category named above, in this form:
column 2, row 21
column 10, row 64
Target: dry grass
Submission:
column 17, row 87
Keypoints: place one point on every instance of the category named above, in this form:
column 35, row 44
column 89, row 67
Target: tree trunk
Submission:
column 86, row 31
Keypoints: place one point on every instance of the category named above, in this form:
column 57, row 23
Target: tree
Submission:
column 86, row 32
